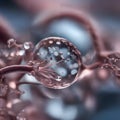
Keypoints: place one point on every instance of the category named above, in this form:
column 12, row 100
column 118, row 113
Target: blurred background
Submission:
column 82, row 101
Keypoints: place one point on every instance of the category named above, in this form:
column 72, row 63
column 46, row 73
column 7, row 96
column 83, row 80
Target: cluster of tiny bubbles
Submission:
column 21, row 115
column 9, row 56
column 114, row 59
column 112, row 62
column 60, row 62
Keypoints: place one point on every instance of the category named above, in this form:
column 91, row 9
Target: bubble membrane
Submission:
column 57, row 62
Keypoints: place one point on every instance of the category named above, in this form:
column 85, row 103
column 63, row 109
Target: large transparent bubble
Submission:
column 57, row 62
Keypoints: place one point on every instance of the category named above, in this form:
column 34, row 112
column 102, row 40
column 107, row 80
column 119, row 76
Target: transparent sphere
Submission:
column 57, row 62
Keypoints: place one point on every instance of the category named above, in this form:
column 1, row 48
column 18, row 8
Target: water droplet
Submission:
column 27, row 45
column 55, row 72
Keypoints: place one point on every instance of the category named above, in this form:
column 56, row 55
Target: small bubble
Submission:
column 56, row 53
column 61, row 71
column 75, row 65
column 27, row 45
column 68, row 53
column 73, row 72
column 50, row 50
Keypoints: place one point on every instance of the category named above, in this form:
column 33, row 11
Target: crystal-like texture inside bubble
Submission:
column 58, row 62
